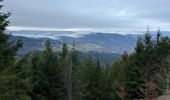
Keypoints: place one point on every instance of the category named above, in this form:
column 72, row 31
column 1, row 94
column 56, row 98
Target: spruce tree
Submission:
column 90, row 81
column 75, row 68
column 14, row 84
column 50, row 85
column 137, row 68
column 158, row 38
column 37, row 80
column 148, row 40
column 8, row 49
column 142, row 67
column 70, row 64
column 139, row 45
column 53, row 74
column 64, row 50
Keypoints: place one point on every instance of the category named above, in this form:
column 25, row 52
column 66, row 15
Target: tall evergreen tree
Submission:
column 53, row 74
column 148, row 40
column 125, row 56
column 50, row 86
column 8, row 49
column 90, row 81
column 74, row 71
column 70, row 64
column 37, row 80
column 64, row 50
column 158, row 38
column 14, row 84
column 142, row 67
column 139, row 45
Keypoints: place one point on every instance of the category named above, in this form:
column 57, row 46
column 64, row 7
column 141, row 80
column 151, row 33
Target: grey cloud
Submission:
column 97, row 14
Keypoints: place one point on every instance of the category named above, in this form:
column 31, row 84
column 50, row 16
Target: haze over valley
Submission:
column 85, row 41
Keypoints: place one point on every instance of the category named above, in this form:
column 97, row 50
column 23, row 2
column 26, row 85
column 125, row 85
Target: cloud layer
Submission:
column 101, row 15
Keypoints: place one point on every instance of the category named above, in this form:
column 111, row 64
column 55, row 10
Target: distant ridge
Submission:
column 85, row 41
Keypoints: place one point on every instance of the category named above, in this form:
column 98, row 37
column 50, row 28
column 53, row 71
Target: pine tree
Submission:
column 70, row 63
column 66, row 65
column 148, row 40
column 90, row 81
column 132, row 79
column 158, row 38
column 139, row 45
column 137, row 68
column 37, row 88
column 50, row 85
column 21, row 82
column 14, row 84
column 125, row 56
column 64, row 50
column 8, row 50
column 141, row 67
column 116, row 78
column 74, row 71
column 54, row 74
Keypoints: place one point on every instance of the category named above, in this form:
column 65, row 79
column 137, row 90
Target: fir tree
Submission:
column 14, row 84
column 139, row 45
column 90, row 81
column 8, row 49
column 158, row 38
column 37, row 88
column 64, row 50
column 50, row 85
column 74, row 71
column 148, row 40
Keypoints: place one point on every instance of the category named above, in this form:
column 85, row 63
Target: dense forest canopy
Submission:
column 144, row 74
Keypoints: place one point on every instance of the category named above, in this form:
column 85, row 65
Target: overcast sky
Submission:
column 96, row 15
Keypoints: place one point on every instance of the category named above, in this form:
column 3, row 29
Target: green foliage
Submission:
column 14, row 81
column 140, row 67
column 64, row 50
column 48, row 83
column 90, row 81
column 8, row 50
column 139, row 45
column 67, row 78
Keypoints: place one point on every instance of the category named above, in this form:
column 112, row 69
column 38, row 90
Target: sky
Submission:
column 88, row 15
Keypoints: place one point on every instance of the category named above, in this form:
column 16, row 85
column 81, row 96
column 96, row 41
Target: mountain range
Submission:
column 108, row 47
column 85, row 42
